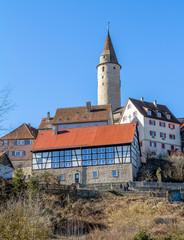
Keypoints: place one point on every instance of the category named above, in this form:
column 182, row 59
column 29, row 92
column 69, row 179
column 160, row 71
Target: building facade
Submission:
column 159, row 130
column 98, row 154
column 77, row 117
column 109, row 76
column 18, row 145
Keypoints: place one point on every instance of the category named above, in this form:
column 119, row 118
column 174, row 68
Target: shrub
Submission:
column 141, row 236
column 18, row 182
column 22, row 221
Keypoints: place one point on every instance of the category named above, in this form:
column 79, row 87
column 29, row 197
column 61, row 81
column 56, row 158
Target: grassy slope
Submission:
column 116, row 217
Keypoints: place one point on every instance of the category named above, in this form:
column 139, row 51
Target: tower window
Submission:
column 114, row 67
column 102, row 84
column 103, row 68
column 102, row 76
column 103, row 56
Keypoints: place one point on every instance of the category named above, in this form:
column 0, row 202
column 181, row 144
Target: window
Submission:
column 168, row 116
column 114, row 67
column 101, row 150
column 158, row 114
column 67, row 118
column 62, row 177
column 59, row 119
column 151, row 122
column 171, row 136
column 163, row 135
column 95, row 174
column 124, row 118
column 86, row 151
column 109, row 149
column 163, row 146
column 135, row 114
column 149, row 112
column 103, row 68
column 101, row 162
column 114, row 173
column 152, row 133
column 162, row 124
column 129, row 106
column 101, row 156
column 110, row 161
column 67, row 152
column 152, row 144
column 5, row 143
column 55, row 165
column 171, row 126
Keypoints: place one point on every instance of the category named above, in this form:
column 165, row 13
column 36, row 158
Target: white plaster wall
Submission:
column 109, row 85
column 144, row 129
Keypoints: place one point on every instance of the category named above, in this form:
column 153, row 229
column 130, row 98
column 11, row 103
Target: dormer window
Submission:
column 168, row 116
column 149, row 112
column 158, row 114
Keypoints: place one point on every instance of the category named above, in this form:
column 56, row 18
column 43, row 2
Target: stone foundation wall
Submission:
column 104, row 173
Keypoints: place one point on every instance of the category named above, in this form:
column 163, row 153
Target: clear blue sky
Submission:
column 49, row 50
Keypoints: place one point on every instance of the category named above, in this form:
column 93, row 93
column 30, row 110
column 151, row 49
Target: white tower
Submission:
column 109, row 76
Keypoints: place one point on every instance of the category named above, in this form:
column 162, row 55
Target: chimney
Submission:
column 88, row 106
column 56, row 130
column 29, row 125
column 48, row 116
column 155, row 103
column 142, row 99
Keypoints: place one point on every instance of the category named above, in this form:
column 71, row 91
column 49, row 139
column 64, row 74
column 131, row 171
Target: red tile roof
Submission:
column 25, row 131
column 84, row 137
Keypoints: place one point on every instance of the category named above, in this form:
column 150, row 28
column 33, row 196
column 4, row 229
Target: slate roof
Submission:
column 85, row 137
column 143, row 106
column 25, row 131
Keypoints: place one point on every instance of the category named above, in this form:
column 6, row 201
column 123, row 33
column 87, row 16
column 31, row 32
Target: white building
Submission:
column 159, row 130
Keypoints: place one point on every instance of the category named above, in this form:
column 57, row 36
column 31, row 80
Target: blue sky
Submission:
column 49, row 51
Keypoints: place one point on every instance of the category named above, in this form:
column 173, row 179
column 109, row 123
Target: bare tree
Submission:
column 5, row 106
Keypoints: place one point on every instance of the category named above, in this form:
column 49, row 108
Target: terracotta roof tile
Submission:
column 46, row 123
column 98, row 113
column 25, row 131
column 84, row 137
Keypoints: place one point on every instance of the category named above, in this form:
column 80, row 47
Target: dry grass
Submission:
column 126, row 217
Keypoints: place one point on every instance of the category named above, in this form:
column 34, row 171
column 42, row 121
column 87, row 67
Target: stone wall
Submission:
column 104, row 172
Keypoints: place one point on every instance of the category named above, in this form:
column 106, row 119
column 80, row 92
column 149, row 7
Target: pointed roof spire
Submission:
column 109, row 49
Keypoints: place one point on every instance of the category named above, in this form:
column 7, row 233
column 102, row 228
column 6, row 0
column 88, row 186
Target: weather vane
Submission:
column 108, row 25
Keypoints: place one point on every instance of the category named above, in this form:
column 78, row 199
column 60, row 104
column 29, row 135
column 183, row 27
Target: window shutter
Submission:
column 23, row 153
column 150, row 133
column 160, row 124
column 150, row 144
column 169, row 125
column 149, row 121
column 13, row 153
column 164, row 124
column 154, row 122
column 165, row 135
column 15, row 142
column 174, row 136
column 155, row 134
column 173, row 126
column 141, row 144
column 160, row 134
column 155, row 144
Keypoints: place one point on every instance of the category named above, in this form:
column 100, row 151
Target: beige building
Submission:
column 77, row 117
column 18, row 145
